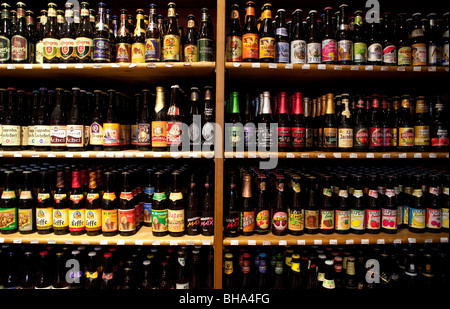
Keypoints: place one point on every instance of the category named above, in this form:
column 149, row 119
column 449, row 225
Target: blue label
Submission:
column 282, row 52
column 101, row 49
column 149, row 190
column 152, row 50
column 148, row 212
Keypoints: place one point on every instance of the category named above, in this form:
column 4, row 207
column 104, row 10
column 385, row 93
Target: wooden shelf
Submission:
column 125, row 73
column 402, row 237
column 338, row 155
column 143, row 237
column 105, row 154
column 326, row 72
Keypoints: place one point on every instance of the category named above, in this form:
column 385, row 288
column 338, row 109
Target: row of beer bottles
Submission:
column 352, row 267
column 107, row 201
column 61, row 36
column 105, row 267
column 80, row 120
column 335, row 37
column 343, row 122
column 335, row 200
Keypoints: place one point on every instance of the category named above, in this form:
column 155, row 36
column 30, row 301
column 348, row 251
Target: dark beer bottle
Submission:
column 298, row 42
column 375, row 49
column 109, row 207
column 284, row 124
column 207, row 211
column 262, row 212
column 159, row 122
column 67, row 47
column 193, row 120
column 250, row 35
column 404, row 54
column 359, row 39
column 282, row 38
column 296, row 219
column 20, row 37
column 9, row 204
column 358, row 209
column 330, row 128
column 58, row 122
column 60, row 206
column 152, row 38
column 417, row 209
column 59, row 281
column 171, row 40
column 144, row 134
column 11, row 129
column 389, row 207
column 445, row 39
column 342, row 211
column 405, row 126
column 174, row 119
column 267, row 35
column 376, row 125
column 126, row 209
column 5, row 33
column 205, row 38
column 433, row 214
column 235, row 133
column 360, row 129
column 344, row 37
column 418, row 43
column 111, row 126
column 148, row 198
column 387, row 122
column 234, row 37
column 314, row 46
column 422, row 124
column 329, row 43
column 247, row 217
column 265, row 135
column 232, row 215
column 312, row 207
column 27, row 204
column 44, row 207
column 345, row 129
column 77, row 210
column 389, row 41
column 84, row 43
column 75, row 125
column 326, row 212
column 50, row 39
column 96, row 123
column 138, row 39
column 42, row 125
column 159, row 207
column 123, row 40
column 190, row 47
column 93, row 207
column 108, row 280
column 192, row 209
column 279, row 218
column 299, row 131
column 229, row 276
column 439, row 125
column 208, row 118
column 373, row 209
column 43, row 277
column 101, row 37
column 176, row 210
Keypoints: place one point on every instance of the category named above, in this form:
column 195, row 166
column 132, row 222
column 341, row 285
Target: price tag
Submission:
column 35, row 155
column 305, row 155
column 349, row 241
column 338, row 68
column 46, row 66
column 353, row 155
column 364, row 241
column 28, row 66
column 69, row 155
column 139, row 242
column 322, row 67
column 151, row 65
column 355, row 68
column 175, row 155
column 397, row 241
column 51, row 155
column 318, row 241
column 417, row 69
column 193, row 155
column 432, row 69
column 256, row 65
column 432, row 155
column 51, row 241
column 428, row 241
column 289, row 66
column 10, row 67
column 2, row 240
column 34, row 241
column 17, row 155
column 290, row 155
column 110, row 154
column 206, row 242
column 97, row 66
column 384, row 68
column 239, row 154
column 17, row 241
column 267, row 243
column 401, row 69
column 306, row 66
column 62, row 66
column 156, row 243
column 168, row 64
column 337, row 155
column 68, row 242
column 173, row 243
column 380, row 241
column 301, row 242
column 273, row 66
column 369, row 67
column 115, row 65
column 78, row 66
column 85, row 154
column 282, row 242
column 333, row 241
column 444, row 239
column 253, row 155
column 190, row 243
column 411, row 240
column 370, row 155
column 234, row 242
column 129, row 154
column 141, row 155
column 187, row 64
column 402, row 155
column 236, row 64
column 386, row 155
column 120, row 242
column 418, row 155
column 251, row 242
column 103, row 242
column 132, row 65
column 321, row 155
column 100, row 155
column 208, row 154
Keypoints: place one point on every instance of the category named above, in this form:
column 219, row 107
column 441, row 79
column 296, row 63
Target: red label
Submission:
column 298, row 137
column 127, row 219
column 284, row 136
column 362, row 137
column 376, row 137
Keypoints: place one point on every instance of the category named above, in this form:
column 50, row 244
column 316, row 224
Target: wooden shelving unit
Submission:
column 338, row 155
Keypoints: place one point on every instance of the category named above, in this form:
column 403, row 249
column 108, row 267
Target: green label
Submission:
column 360, row 52
column 159, row 220
column 205, row 50
column 5, row 49
column 159, row 196
column 8, row 219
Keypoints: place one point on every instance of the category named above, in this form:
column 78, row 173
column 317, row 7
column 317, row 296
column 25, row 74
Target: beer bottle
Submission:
column 67, row 47
column 314, row 46
column 138, row 45
column 299, row 130
column 182, row 279
column 376, row 125
column 375, row 49
column 60, row 206
column 43, row 278
column 279, row 218
column 5, row 33
column 326, row 212
column 171, row 39
column 27, row 204
column 148, row 198
column 84, row 43
column 284, row 125
column 330, row 128
column 123, row 40
column 28, row 273
column 329, row 44
column 11, row 129
column 387, row 122
column 20, row 37
column 176, row 210
column 418, row 44
column 96, row 123
column 373, row 213
column 50, row 39
column 262, row 210
column 93, row 207
column 208, row 118
column 265, row 137
column 109, row 207
column 296, row 219
column 159, row 207
column 389, row 44
column 152, row 38
column 247, row 216
column 75, row 125
column 39, row 49
column 342, row 211
column 159, row 122
column 58, row 122
column 3, row 99
column 144, row 122
column 174, row 119
column 44, row 206
column 126, row 209
column 233, row 214
column 309, row 123
column 234, row 37
column 345, row 129
column 439, row 125
column 417, row 209
column 250, row 35
column 359, row 39
column 433, row 216
column 267, row 35
column 422, row 124
column 9, row 205
column 298, row 42
column 190, row 47
column 343, row 37
column 312, row 207
column 193, row 120
column 207, row 211
column 192, row 210
column 296, row 281
column 111, row 126
column 101, row 37
column 108, row 280
column 328, row 282
column 404, row 54
column 445, row 39
column 281, row 38
column 59, row 280
column 389, row 207
column 92, row 280
column 234, row 119
column 405, row 126
column 77, row 210
column 245, row 274
column 229, row 276
column 205, row 38
column 357, row 202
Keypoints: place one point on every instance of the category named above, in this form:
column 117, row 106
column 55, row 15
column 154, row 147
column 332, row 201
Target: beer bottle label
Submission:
column 19, row 48
column 329, row 137
column 375, row 137
column 123, row 52
column 194, row 134
column 389, row 219
column 39, row 57
column 51, row 47
column 66, row 48
column 404, row 55
column 345, row 138
column 76, row 219
column 159, row 133
column 279, row 220
column 248, row 221
column 44, row 218
column 284, row 136
column 416, row 218
column 58, row 136
column 249, row 136
column 375, row 52
column 360, row 52
column 262, row 219
column 96, row 134
column 152, row 50
column 41, row 135
column 190, row 53
column 406, row 137
column 138, row 53
column 175, row 220
column 329, row 50
column 282, row 52
column 440, row 137
column 357, row 219
column 5, row 49
column 433, row 218
column 445, row 217
column 267, row 48
column 75, row 135
column 298, row 137
column 125, row 132
column 228, row 267
column 387, row 137
column 250, row 46
column 60, row 218
column 8, row 218
column 296, row 220
column 143, row 134
column 390, row 54
column 345, row 50
column 111, row 134
column 419, row 54
column 298, row 51
column 84, row 47
column 134, row 134
column 311, row 219
column 205, row 50
column 422, row 135
column 265, row 137
column 109, row 220
column 373, row 218
column 342, row 220
column 208, row 133
column 11, row 135
column 326, row 219
column 173, row 133
column 362, row 138
column 445, row 54
column 127, row 219
column 234, row 48
column 193, row 222
column 101, row 50
column 314, row 53
column 159, row 218
column 26, row 219
column 171, row 47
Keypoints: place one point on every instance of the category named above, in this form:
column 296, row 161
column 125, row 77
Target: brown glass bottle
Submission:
column 439, row 125
column 11, row 128
column 267, row 35
column 84, row 43
column 296, row 213
column 376, row 125
column 418, row 42
column 93, row 207
column 205, row 38
column 326, row 212
column 422, row 124
column 171, row 39
column 111, row 126
column 404, row 45
column 138, row 39
column 262, row 211
column 207, row 210
column 314, row 45
column 250, row 35
column 159, row 207
column 389, row 207
column 298, row 42
column 144, row 122
column 126, row 209
column 342, row 210
column 174, row 119
column 5, row 34
column 43, row 278
column 373, row 209
column 234, row 36
column 9, row 204
column 159, row 122
column 345, row 129
column 329, row 43
column 247, row 220
column 60, row 206
column 312, row 207
column 405, row 126
column 344, row 37
column 417, row 209
column 279, row 218
column 330, row 128
column 20, row 37
column 44, row 206
column 176, row 210
column 123, row 40
column 152, row 38
column 109, row 207
column 357, row 203
column 27, row 204
column 77, row 210
column 51, row 36
column 192, row 208
column 75, row 124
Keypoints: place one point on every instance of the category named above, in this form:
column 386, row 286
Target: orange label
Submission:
column 109, row 220
column 111, row 134
column 127, row 219
column 250, row 43
column 159, row 133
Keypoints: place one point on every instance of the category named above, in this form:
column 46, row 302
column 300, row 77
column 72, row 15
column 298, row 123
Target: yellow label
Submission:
column 422, row 135
column 25, row 219
column 138, row 53
column 190, row 53
column 109, row 220
column 60, row 218
column 76, row 219
column 159, row 133
column 171, row 47
column 176, row 220
column 93, row 220
column 175, row 196
column 44, row 218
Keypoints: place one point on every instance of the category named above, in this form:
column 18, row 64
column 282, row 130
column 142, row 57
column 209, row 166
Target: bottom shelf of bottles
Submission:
column 143, row 237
